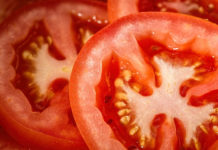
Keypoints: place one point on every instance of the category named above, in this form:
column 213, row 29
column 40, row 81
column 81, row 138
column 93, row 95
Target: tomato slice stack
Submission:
column 147, row 81
column 39, row 45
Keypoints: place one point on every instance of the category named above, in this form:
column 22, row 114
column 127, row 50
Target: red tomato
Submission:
column 148, row 81
column 207, row 9
column 38, row 47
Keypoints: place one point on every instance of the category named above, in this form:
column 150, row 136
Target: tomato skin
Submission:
column 117, row 37
column 52, row 128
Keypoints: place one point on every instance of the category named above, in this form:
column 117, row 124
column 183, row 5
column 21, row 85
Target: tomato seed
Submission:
column 203, row 128
column 40, row 40
column 118, row 83
column 120, row 104
column 125, row 120
column 214, row 119
column 201, row 10
column 121, row 96
column 211, row 6
column 196, row 144
column 49, row 40
column 134, row 130
column 142, row 141
column 27, row 55
column 34, row 46
column 123, row 112
column 127, row 75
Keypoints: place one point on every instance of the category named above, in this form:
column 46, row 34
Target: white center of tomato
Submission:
column 48, row 68
column 166, row 99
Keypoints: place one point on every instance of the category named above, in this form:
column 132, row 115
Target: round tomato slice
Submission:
column 38, row 47
column 206, row 9
column 148, row 81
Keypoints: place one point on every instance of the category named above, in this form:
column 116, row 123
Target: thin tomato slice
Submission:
column 206, row 9
column 38, row 47
column 148, row 81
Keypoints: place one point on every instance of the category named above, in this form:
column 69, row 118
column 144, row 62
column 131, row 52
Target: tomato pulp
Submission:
column 148, row 81
column 38, row 47
column 206, row 9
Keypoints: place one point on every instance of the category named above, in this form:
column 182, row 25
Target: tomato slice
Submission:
column 206, row 9
column 148, row 81
column 38, row 47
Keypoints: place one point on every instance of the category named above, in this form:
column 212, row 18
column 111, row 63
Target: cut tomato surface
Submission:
column 38, row 47
column 7, row 7
column 7, row 143
column 206, row 9
column 148, row 81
